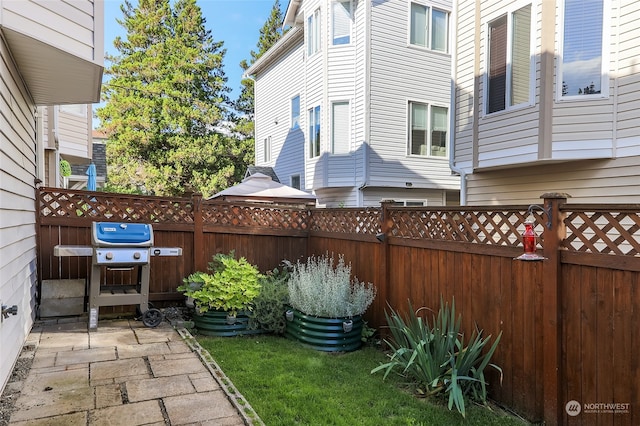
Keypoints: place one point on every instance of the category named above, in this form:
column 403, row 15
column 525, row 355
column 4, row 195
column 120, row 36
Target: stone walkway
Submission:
column 124, row 374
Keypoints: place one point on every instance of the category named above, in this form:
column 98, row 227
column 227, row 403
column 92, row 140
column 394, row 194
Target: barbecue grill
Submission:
column 120, row 247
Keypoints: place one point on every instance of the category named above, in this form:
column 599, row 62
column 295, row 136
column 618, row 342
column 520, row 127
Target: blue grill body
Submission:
column 114, row 234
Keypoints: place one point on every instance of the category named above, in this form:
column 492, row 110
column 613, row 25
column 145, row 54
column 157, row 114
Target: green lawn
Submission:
column 288, row 384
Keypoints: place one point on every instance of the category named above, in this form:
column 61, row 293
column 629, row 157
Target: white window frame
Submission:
column 343, row 151
column 314, row 116
column 532, row 73
column 314, row 33
column 411, row 202
column 604, row 69
column 428, row 31
column 334, row 5
column 267, row 149
column 76, row 109
column 429, row 129
column 295, row 119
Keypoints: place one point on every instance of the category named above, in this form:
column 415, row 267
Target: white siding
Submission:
column 17, row 207
column 373, row 197
column 68, row 25
column 401, row 73
column 274, row 89
column 337, row 197
column 74, row 131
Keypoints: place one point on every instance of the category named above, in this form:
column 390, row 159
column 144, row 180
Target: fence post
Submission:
column 385, row 227
column 200, row 263
column 551, row 310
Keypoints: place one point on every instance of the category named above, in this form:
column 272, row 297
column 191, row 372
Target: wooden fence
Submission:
column 569, row 323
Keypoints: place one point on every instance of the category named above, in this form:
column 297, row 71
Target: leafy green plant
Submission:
column 65, row 168
column 318, row 288
column 436, row 357
column 270, row 305
column 232, row 285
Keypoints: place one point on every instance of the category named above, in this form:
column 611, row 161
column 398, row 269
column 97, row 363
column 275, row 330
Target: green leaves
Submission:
column 232, row 286
column 166, row 104
column 435, row 355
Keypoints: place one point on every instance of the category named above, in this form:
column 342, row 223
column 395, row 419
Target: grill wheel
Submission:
column 152, row 317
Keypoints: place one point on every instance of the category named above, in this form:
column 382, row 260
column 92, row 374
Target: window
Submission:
column 427, row 130
column 267, row 149
column 428, row 27
column 340, row 139
column 509, row 66
column 295, row 112
column 78, row 109
column 314, row 132
column 410, row 203
column 582, row 65
column 313, row 33
column 341, row 22
column 295, row 181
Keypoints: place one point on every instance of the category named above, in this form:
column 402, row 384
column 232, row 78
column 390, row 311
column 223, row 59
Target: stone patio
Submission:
column 124, row 374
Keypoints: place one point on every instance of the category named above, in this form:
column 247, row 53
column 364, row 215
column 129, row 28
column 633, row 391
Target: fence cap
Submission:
column 555, row 195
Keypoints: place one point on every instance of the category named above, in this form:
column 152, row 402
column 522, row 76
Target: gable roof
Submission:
column 265, row 170
column 259, row 187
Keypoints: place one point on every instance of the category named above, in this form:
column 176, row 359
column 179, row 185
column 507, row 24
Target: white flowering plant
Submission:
column 319, row 288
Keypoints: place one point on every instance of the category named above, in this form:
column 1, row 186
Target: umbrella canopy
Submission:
column 260, row 187
column 91, row 177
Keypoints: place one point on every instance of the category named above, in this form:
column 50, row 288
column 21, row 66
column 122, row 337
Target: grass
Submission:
column 288, row 384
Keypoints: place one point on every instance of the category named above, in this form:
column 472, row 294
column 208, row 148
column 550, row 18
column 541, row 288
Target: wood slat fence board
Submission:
column 465, row 254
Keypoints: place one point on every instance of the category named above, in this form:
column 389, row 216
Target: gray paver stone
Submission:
column 142, row 390
column 140, row 413
column 199, row 407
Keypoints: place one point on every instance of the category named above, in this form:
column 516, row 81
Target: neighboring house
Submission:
column 78, row 178
column 51, row 53
column 547, row 97
column 66, row 133
column 353, row 102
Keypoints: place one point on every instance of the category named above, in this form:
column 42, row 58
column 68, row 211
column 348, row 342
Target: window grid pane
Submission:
column 418, row 26
column 340, row 141
column 521, row 56
column 341, row 22
column 497, row 65
column 439, row 31
column 418, row 128
column 295, row 112
column 582, row 48
column 438, row 131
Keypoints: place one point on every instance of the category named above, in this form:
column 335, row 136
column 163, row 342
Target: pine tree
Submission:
column 270, row 33
column 165, row 101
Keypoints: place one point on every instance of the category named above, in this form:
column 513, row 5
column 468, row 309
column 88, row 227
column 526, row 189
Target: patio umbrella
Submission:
column 91, row 179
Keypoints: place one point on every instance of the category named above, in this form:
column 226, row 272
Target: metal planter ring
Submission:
column 326, row 334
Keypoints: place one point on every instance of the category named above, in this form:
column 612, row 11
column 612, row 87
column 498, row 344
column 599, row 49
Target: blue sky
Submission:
column 236, row 22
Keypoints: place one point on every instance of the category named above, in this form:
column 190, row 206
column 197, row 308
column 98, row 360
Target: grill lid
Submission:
column 114, row 234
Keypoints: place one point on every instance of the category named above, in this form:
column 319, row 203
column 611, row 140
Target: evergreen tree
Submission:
column 270, row 33
column 165, row 101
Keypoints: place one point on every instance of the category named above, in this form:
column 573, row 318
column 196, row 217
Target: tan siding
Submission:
column 73, row 134
column 65, row 24
column 17, row 227
column 601, row 181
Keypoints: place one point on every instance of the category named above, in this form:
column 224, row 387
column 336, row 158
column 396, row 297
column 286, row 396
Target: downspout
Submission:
column 452, row 115
column 366, row 101
column 255, row 139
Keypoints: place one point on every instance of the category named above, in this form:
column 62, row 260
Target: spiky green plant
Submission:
column 436, row 357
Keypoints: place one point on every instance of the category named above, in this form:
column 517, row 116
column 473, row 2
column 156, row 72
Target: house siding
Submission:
column 401, row 73
column 17, row 228
column 74, row 133
column 605, row 130
column 68, row 25
column 274, row 89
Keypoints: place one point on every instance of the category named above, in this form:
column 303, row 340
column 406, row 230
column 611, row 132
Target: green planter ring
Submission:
column 216, row 323
column 325, row 334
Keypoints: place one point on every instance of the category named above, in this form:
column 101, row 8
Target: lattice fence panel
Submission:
column 59, row 203
column 348, row 220
column 495, row 227
column 255, row 216
column 603, row 230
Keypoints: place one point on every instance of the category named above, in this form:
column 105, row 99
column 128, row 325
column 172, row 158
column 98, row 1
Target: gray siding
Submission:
column 17, row 206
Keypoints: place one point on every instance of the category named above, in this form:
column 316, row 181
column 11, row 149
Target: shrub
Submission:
column 435, row 356
column 232, row 285
column 270, row 305
column 317, row 288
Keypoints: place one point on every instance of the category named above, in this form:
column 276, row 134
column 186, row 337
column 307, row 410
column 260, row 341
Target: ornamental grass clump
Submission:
column 319, row 289
column 436, row 357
